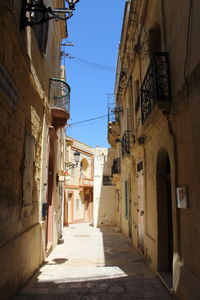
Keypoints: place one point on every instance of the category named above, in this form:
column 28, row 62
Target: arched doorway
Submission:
column 164, row 213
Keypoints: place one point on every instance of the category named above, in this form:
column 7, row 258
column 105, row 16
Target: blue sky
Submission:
column 95, row 31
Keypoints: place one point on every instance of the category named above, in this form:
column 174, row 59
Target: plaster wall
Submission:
column 104, row 196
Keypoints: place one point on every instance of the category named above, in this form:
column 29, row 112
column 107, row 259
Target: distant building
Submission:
column 78, row 183
column 89, row 190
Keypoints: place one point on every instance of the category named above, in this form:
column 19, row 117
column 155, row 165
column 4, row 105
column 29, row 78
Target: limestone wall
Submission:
column 24, row 129
column 172, row 27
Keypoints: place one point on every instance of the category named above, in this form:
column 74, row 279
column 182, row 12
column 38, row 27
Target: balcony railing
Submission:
column 156, row 86
column 126, row 142
column 116, row 166
column 114, row 113
column 59, row 94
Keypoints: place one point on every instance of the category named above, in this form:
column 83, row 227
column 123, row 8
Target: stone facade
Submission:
column 78, row 182
column 156, row 138
column 25, row 122
column 89, row 186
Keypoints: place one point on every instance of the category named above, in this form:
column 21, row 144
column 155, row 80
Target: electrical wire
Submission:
column 90, row 124
column 89, row 63
column 88, row 120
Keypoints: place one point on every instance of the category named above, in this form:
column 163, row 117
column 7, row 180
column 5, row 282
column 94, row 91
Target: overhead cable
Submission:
column 91, row 64
column 87, row 120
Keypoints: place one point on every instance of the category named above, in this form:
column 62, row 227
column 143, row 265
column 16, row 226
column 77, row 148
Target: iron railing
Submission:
column 156, row 85
column 116, row 168
column 114, row 113
column 59, row 94
column 126, row 142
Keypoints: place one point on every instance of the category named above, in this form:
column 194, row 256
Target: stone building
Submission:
column 79, row 178
column 34, row 107
column 88, row 184
column 155, row 134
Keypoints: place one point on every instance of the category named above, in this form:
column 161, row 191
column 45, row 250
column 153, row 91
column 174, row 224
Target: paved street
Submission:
column 93, row 264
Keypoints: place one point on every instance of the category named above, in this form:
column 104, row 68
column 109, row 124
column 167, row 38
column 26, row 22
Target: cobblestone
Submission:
column 94, row 264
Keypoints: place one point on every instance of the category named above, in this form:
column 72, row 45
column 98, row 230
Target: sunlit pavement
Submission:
column 94, row 264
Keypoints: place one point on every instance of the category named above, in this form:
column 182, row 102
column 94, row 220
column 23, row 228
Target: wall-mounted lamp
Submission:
column 35, row 12
column 76, row 159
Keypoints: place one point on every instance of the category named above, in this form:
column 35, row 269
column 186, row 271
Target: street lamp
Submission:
column 72, row 3
column 35, row 12
column 76, row 159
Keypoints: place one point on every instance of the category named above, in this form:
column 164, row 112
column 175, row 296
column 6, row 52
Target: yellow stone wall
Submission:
column 23, row 135
column 176, row 131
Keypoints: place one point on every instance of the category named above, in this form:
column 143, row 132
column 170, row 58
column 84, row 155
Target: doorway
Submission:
column 49, row 228
column 70, row 207
column 164, row 213
column 140, row 205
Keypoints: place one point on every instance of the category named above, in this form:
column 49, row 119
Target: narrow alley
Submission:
column 99, row 149
column 92, row 264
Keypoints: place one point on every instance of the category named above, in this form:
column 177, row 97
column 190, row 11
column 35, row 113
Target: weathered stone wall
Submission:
column 24, row 82
column 177, row 25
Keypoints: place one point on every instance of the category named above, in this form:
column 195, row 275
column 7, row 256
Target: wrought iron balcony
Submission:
column 126, row 142
column 59, row 100
column 116, row 168
column 156, row 85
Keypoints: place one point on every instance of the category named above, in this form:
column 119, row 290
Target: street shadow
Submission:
column 121, row 273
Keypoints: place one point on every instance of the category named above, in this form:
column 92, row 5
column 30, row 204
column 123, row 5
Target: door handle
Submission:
column 141, row 213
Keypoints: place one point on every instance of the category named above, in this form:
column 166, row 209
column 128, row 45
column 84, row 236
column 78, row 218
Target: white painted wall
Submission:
column 104, row 196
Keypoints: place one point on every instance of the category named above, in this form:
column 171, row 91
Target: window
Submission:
column 155, row 40
column 137, row 95
column 107, row 180
column 28, row 169
column 126, row 199
column 140, row 166
column 69, row 197
column 41, row 30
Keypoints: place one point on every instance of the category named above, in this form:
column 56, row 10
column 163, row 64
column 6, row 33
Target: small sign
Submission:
column 62, row 178
column 182, row 199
